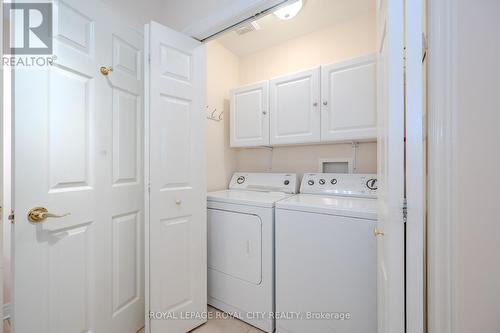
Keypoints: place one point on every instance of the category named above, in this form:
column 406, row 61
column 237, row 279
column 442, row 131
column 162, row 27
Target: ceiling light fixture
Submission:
column 289, row 11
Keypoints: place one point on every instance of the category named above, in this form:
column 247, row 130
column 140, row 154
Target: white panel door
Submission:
column 250, row 115
column 78, row 151
column 349, row 100
column 57, row 167
column 124, row 176
column 294, row 107
column 177, row 201
column 390, row 147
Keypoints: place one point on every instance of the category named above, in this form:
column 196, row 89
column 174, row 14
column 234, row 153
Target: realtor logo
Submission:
column 29, row 28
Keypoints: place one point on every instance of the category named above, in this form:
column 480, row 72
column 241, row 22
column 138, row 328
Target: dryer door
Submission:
column 235, row 244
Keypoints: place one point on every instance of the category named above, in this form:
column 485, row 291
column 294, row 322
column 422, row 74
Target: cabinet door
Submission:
column 295, row 110
column 249, row 115
column 348, row 90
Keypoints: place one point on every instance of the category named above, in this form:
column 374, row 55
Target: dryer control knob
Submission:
column 372, row 184
column 311, row 182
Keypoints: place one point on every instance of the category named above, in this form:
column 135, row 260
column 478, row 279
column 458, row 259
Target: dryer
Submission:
column 241, row 245
column 326, row 256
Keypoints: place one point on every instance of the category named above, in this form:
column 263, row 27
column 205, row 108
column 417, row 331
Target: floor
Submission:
column 231, row 325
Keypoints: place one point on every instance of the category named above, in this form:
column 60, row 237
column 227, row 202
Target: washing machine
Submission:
column 326, row 256
column 241, row 245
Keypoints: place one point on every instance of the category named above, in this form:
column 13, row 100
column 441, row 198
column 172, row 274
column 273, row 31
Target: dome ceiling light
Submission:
column 289, row 11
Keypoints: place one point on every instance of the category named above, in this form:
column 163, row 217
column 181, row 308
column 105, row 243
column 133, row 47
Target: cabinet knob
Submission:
column 264, row 112
column 325, row 103
column 315, row 104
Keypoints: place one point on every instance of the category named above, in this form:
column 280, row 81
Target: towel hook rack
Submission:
column 213, row 115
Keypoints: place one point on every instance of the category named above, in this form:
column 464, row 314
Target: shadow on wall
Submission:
column 305, row 159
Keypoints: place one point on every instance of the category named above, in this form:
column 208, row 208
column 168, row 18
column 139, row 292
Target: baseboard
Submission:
column 6, row 311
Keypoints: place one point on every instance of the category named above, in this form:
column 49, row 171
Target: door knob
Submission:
column 377, row 232
column 106, row 70
column 39, row 214
column 178, row 202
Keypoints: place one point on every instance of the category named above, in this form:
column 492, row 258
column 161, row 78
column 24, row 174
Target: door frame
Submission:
column 407, row 149
column 147, row 184
column 5, row 167
column 442, row 94
column 415, row 167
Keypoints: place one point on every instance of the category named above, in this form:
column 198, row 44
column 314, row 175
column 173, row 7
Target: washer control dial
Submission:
column 334, row 181
column 322, row 182
column 310, row 182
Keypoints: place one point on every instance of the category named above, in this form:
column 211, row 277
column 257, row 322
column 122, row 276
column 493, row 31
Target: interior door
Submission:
column 390, row 229
column 123, row 123
column 56, row 167
column 177, row 235
column 295, row 109
column 78, row 152
column 250, row 115
column 349, row 100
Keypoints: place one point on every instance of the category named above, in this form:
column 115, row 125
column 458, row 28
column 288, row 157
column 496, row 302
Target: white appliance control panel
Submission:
column 351, row 185
column 265, row 182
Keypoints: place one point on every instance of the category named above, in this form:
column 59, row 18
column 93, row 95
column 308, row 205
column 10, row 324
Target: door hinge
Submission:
column 149, row 187
column 405, row 210
column 11, row 217
column 425, row 47
column 149, row 58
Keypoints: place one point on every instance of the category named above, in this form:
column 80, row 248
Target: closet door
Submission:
column 176, row 222
column 250, row 116
column 348, row 90
column 294, row 107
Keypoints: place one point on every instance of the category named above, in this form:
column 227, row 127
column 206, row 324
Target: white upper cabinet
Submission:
column 250, row 115
column 348, row 91
column 331, row 103
column 295, row 108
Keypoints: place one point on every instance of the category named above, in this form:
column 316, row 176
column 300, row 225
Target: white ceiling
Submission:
column 177, row 14
column 315, row 15
column 181, row 15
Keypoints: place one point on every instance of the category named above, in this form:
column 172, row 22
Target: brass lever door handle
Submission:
column 39, row 214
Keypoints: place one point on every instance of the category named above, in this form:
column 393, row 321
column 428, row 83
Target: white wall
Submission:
column 464, row 271
column 476, row 234
column 339, row 42
column 222, row 75
column 304, row 159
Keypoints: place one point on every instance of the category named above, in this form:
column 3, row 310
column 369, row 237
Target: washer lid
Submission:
column 331, row 205
column 250, row 198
